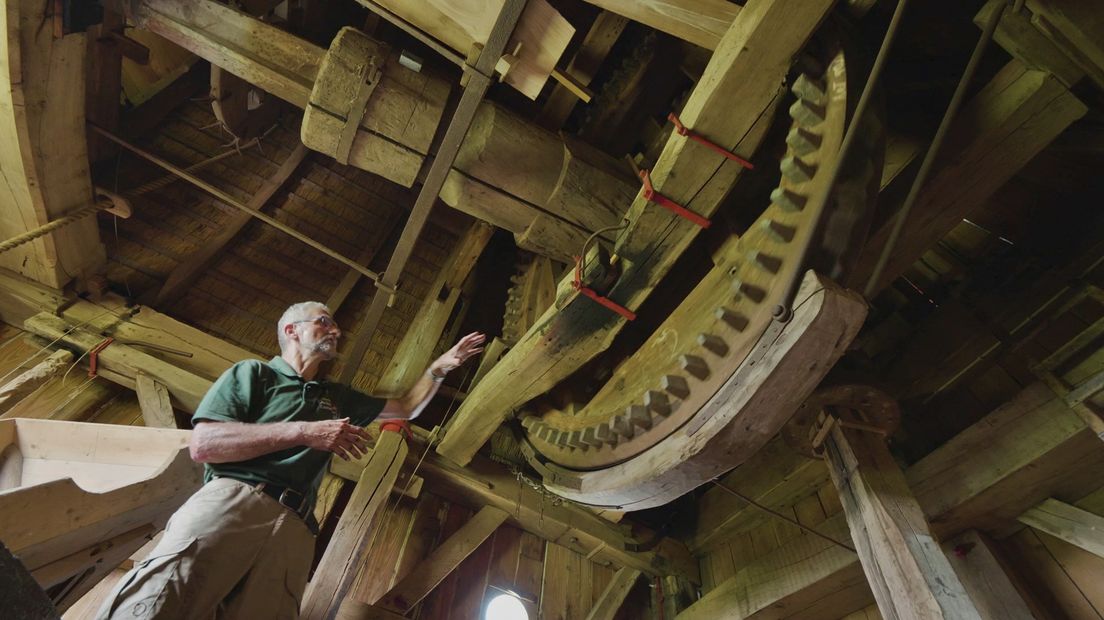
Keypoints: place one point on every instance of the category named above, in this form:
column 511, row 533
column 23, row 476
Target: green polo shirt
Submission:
column 259, row 393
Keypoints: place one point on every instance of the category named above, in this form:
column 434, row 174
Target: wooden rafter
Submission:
column 701, row 22
column 1069, row 523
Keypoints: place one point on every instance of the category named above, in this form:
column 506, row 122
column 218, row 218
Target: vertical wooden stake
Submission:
column 907, row 571
column 338, row 569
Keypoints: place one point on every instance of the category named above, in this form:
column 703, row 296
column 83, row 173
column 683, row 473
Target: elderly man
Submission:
column 241, row 547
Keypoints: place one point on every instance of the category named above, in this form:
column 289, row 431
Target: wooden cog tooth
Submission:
column 528, row 422
column 807, row 113
column 779, row 231
column 735, row 320
column 787, row 200
column 657, row 403
column 803, row 142
column 575, row 440
column 622, row 424
column 590, row 437
column 798, row 171
column 741, row 289
column 809, row 89
column 675, row 386
column 694, row 365
column 713, row 344
column 639, row 417
column 771, row 263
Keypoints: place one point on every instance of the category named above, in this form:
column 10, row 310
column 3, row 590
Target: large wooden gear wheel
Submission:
column 696, row 399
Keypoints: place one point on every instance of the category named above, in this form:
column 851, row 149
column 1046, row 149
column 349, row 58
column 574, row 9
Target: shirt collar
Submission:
column 281, row 366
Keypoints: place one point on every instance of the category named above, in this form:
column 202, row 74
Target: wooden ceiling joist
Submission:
column 1074, row 525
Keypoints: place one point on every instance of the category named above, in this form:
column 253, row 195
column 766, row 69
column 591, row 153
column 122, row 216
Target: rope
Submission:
column 73, row 216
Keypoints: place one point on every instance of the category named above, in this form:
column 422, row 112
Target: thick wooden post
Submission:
column 907, row 571
column 975, row 561
column 345, row 553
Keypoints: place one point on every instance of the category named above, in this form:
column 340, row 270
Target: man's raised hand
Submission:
column 468, row 346
column 338, row 436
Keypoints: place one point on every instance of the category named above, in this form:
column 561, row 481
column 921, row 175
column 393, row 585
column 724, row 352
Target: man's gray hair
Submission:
column 296, row 312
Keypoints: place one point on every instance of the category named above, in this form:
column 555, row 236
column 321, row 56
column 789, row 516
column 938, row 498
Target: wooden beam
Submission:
column 121, row 363
column 423, row 578
column 701, row 22
column 477, row 85
column 416, row 349
column 153, row 400
column 750, row 64
column 1006, row 124
column 339, row 564
column 1078, row 527
column 609, row 602
column 976, row 560
column 599, row 40
column 484, row 483
column 43, row 151
column 186, row 272
column 906, row 568
column 31, row 379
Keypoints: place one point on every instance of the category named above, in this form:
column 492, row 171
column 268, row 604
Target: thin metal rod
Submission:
column 933, row 150
column 779, row 515
column 228, row 199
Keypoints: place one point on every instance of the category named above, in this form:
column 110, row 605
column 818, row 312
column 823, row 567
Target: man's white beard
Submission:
column 326, row 348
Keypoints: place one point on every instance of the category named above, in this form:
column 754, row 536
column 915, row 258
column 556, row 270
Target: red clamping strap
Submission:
column 93, row 355
column 683, row 131
column 397, row 426
column 603, row 301
column 653, row 196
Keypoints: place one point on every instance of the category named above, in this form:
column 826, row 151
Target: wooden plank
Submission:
column 906, row 568
column 1018, row 113
column 186, row 273
column 416, row 349
column 442, row 560
column 976, row 560
column 43, row 151
column 1023, row 41
column 609, row 602
column 701, row 22
column 33, row 378
column 584, row 66
column 121, row 363
column 542, row 34
column 1077, row 28
column 750, row 65
column 338, row 567
column 153, row 399
column 1069, row 523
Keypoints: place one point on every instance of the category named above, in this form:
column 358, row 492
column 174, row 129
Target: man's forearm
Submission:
column 419, row 395
column 228, row 442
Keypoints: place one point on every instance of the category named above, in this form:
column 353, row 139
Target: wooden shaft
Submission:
column 228, row 199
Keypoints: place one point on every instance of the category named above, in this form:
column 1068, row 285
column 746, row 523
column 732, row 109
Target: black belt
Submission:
column 289, row 498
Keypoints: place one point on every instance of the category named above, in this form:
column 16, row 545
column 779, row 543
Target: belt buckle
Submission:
column 297, row 508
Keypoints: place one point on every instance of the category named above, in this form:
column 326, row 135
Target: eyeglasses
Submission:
column 322, row 321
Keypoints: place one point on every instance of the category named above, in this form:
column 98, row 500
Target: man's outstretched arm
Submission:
column 229, row 442
column 411, row 404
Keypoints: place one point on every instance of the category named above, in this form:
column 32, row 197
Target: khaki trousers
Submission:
column 229, row 552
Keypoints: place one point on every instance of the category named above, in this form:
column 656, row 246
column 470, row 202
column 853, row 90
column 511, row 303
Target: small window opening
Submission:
column 506, row 607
